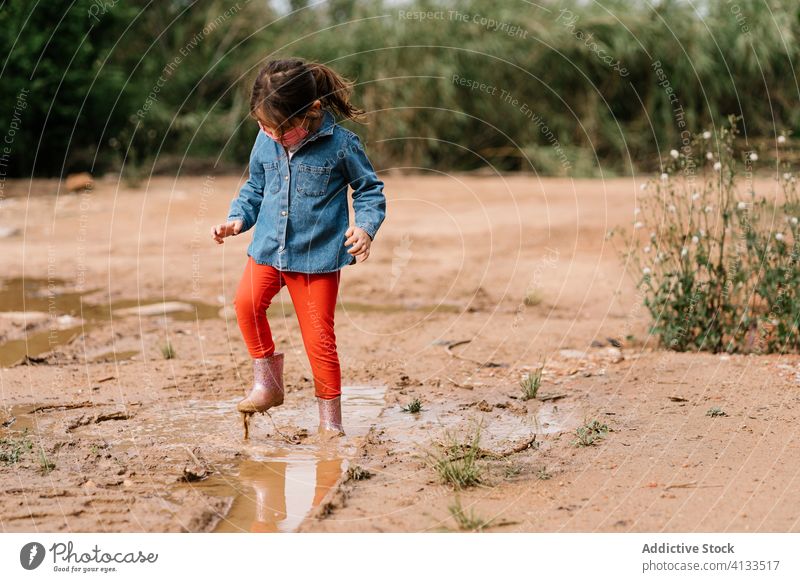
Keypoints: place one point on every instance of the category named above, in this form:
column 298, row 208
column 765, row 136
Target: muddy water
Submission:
column 272, row 483
column 57, row 314
column 278, row 483
column 500, row 429
column 14, row 351
column 556, row 418
column 115, row 356
column 19, row 419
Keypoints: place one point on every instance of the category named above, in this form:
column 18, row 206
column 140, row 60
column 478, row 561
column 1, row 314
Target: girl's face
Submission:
column 305, row 121
column 290, row 137
column 270, row 127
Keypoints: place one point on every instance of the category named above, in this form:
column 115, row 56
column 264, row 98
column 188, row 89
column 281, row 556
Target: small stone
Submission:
column 484, row 406
column 78, row 182
column 156, row 309
column 193, row 474
column 573, row 354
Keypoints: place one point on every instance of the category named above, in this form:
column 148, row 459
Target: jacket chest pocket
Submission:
column 312, row 180
column 272, row 177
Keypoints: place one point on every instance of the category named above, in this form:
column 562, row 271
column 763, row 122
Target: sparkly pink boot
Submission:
column 267, row 389
column 330, row 417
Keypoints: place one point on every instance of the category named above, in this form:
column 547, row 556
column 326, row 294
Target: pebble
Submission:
column 155, row 308
column 78, row 182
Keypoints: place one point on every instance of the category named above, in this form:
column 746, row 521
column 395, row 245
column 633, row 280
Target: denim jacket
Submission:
column 298, row 203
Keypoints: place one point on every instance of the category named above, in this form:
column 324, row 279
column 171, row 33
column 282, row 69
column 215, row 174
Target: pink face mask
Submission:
column 292, row 137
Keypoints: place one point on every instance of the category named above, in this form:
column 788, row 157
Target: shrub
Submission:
column 717, row 265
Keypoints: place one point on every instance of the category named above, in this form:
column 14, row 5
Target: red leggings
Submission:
column 314, row 299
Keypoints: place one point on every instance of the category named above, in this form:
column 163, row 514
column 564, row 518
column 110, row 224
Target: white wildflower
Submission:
column 741, row 205
column 664, row 177
column 702, row 233
column 684, row 251
column 708, row 209
column 638, row 225
column 646, row 270
column 753, row 156
column 696, row 196
column 787, row 176
column 781, row 139
column 717, row 166
column 646, row 249
column 643, row 186
column 695, row 239
column 674, row 154
column 794, row 220
column 637, row 211
column 778, row 236
column 706, row 135
column 709, row 156
column 671, row 208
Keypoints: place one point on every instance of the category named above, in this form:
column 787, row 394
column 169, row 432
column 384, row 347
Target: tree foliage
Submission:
column 103, row 85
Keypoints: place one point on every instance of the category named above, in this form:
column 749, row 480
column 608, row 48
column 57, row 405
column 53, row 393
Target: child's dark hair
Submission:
column 287, row 87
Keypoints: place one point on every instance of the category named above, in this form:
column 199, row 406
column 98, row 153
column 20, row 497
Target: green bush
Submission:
column 717, row 264
column 142, row 83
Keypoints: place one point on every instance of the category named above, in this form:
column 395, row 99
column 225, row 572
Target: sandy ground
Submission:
column 120, row 438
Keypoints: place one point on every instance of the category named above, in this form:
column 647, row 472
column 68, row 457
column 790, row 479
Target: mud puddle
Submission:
column 16, row 351
column 46, row 313
column 115, row 356
column 557, row 418
column 52, row 314
column 501, row 428
column 275, row 478
column 278, row 486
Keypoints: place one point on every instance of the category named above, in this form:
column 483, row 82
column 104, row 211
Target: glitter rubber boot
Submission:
column 267, row 389
column 330, row 417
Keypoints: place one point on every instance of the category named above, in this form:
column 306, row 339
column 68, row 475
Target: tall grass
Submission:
column 718, row 58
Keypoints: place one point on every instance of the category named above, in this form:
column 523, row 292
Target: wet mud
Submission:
column 118, row 396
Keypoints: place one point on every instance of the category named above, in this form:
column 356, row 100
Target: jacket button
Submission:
column 286, row 178
column 283, row 213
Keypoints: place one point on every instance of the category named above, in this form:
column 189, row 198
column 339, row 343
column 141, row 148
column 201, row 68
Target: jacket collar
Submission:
column 326, row 128
column 328, row 123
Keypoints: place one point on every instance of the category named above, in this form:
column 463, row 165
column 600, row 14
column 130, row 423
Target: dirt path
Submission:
column 120, row 428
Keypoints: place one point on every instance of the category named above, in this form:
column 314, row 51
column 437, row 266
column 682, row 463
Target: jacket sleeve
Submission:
column 369, row 203
column 247, row 205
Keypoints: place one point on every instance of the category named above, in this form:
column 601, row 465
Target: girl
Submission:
column 296, row 198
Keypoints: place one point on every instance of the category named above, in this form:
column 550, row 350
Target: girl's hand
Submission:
column 361, row 242
column 231, row 228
